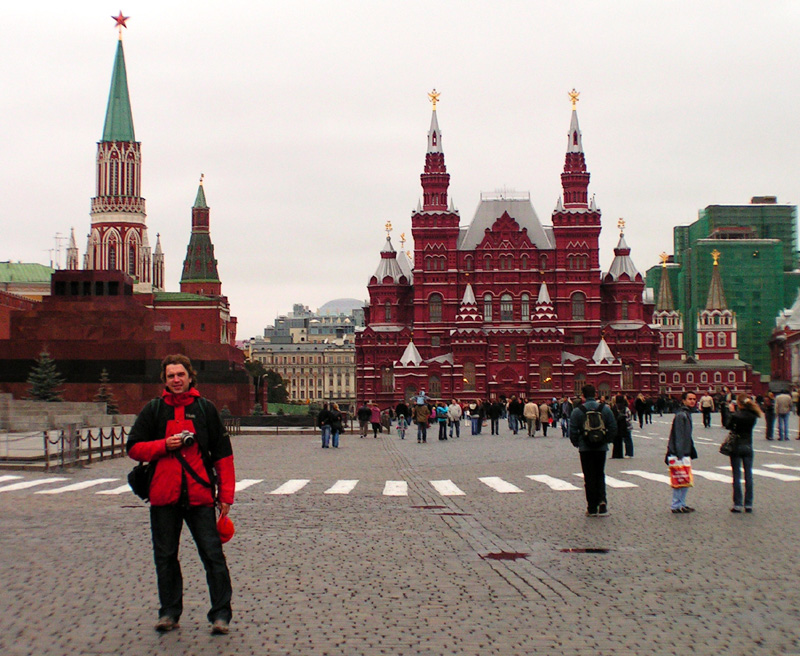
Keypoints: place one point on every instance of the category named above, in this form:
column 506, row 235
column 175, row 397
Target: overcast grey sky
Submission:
column 309, row 121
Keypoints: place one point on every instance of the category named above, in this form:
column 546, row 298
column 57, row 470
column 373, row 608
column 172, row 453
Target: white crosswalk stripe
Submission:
column 447, row 488
column 614, row 482
column 9, row 477
column 659, row 478
column 117, row 490
column 342, row 487
column 775, row 475
column 291, row 486
column 713, row 476
column 247, row 482
column 395, row 489
column 791, row 467
column 771, row 474
column 77, row 486
column 499, row 485
column 24, row 485
column 553, row 483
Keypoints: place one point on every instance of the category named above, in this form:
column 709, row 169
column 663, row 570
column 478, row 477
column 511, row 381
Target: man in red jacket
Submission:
column 183, row 435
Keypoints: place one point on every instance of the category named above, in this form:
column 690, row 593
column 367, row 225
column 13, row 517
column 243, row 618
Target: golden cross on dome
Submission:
column 664, row 258
column 621, row 225
column 573, row 96
column 715, row 254
column 388, row 227
column 434, row 98
column 120, row 23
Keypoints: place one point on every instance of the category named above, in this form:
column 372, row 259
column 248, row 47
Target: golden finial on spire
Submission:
column 388, row 227
column 664, row 258
column 120, row 23
column 402, row 241
column 573, row 96
column 434, row 98
column 715, row 254
column 202, row 175
column 621, row 225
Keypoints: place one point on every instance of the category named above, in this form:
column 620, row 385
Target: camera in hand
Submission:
column 187, row 438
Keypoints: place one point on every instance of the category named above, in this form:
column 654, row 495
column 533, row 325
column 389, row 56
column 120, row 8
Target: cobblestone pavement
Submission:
column 363, row 572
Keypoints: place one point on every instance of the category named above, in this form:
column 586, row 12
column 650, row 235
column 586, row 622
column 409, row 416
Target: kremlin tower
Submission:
column 118, row 238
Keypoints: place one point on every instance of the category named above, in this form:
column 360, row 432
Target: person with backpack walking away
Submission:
column 681, row 446
column 591, row 427
column 421, row 414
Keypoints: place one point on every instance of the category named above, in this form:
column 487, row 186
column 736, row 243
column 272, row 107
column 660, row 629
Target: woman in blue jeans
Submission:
column 741, row 422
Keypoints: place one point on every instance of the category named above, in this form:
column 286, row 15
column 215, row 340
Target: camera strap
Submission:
column 191, row 471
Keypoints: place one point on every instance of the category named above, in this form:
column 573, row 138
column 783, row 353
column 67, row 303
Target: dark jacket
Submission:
column 147, row 442
column 741, row 422
column 364, row 413
column 578, row 417
column 335, row 421
column 680, row 435
column 324, row 418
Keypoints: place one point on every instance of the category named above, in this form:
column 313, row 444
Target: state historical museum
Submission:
column 505, row 305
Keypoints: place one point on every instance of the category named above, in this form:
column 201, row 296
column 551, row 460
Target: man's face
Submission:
column 690, row 401
column 177, row 378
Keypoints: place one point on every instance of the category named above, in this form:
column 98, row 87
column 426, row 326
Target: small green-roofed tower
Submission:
column 200, row 274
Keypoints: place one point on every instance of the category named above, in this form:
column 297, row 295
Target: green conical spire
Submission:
column 200, row 201
column 119, row 120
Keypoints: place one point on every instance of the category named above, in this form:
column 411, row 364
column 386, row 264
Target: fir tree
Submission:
column 44, row 379
column 106, row 395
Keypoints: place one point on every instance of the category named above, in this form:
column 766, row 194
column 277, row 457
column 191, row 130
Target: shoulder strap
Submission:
column 192, row 472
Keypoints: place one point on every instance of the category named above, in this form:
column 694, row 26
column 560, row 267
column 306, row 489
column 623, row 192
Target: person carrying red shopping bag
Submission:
column 680, row 453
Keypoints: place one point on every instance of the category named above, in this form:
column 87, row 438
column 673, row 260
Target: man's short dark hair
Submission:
column 179, row 358
column 685, row 394
column 588, row 391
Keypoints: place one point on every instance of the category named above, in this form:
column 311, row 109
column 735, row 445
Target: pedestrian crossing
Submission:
column 529, row 483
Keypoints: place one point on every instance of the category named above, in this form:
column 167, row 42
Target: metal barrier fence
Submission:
column 72, row 445
column 233, row 425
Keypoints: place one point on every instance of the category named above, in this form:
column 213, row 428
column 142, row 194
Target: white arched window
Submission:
column 435, row 308
column 525, row 307
column 506, row 308
column 579, row 306
column 487, row 307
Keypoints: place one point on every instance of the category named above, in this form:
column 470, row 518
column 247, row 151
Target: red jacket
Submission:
column 170, row 415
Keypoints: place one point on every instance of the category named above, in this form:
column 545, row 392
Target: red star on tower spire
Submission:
column 120, row 22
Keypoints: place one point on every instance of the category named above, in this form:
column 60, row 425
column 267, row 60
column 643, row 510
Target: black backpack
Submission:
column 594, row 426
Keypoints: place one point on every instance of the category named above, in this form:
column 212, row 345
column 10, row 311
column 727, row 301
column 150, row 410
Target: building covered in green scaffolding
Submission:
column 758, row 261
